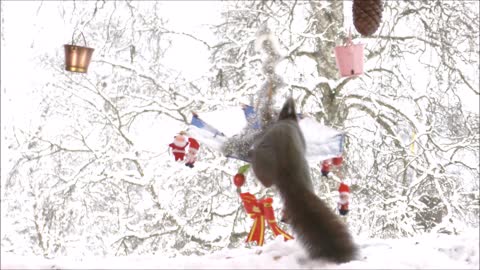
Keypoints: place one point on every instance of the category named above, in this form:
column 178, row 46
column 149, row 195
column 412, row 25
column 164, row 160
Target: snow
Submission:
column 430, row 251
column 20, row 109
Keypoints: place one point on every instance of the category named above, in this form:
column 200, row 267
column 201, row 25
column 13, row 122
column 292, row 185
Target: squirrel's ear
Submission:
column 288, row 110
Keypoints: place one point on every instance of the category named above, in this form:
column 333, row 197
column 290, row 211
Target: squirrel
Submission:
column 278, row 158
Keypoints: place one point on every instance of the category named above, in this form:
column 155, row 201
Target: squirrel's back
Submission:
column 278, row 158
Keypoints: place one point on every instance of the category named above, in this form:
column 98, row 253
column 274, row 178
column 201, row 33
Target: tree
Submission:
column 88, row 185
column 401, row 149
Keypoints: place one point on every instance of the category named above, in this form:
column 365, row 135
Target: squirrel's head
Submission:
column 288, row 110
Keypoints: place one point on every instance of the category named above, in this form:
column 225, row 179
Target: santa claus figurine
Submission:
column 178, row 146
column 325, row 168
column 192, row 152
column 344, row 191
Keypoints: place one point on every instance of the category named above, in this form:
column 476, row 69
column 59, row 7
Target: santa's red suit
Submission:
column 192, row 152
column 178, row 147
column 343, row 207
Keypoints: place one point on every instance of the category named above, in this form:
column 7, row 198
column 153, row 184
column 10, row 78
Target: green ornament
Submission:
column 244, row 169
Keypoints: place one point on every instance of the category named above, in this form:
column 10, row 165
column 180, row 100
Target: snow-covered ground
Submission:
column 424, row 252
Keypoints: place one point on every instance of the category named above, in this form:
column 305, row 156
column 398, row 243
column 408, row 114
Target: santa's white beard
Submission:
column 343, row 201
column 179, row 143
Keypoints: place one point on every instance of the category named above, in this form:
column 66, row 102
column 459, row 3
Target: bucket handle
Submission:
column 348, row 40
column 84, row 40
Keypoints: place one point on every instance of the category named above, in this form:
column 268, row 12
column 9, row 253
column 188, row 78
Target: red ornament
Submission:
column 337, row 161
column 239, row 179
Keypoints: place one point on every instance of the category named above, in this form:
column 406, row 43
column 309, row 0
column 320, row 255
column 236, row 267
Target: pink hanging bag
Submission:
column 349, row 58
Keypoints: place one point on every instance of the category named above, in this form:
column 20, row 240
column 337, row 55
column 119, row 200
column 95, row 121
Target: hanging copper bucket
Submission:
column 77, row 58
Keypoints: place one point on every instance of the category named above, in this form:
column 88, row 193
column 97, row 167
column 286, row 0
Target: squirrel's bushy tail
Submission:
column 278, row 158
column 320, row 231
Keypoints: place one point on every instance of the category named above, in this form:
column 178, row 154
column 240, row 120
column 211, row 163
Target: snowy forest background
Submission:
column 85, row 168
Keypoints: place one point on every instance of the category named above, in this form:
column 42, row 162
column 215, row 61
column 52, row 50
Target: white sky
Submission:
column 192, row 17
column 48, row 32
column 32, row 29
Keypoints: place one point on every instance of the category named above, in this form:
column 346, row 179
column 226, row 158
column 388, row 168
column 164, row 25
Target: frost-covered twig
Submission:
column 240, row 144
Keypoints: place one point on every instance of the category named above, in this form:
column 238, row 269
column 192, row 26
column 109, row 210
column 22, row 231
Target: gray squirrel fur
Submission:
column 278, row 159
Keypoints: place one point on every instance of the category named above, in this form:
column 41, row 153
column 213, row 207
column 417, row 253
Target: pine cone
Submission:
column 367, row 15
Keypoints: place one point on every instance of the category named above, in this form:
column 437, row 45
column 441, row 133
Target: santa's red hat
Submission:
column 344, row 189
column 193, row 144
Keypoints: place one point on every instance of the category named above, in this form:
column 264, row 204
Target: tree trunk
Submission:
column 329, row 21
